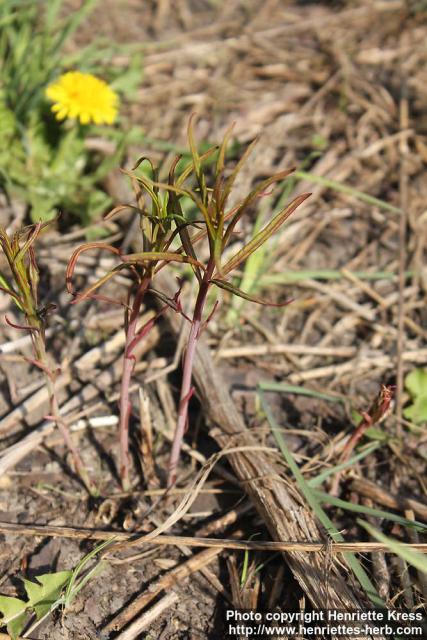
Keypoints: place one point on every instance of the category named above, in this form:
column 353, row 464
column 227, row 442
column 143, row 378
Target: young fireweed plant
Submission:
column 159, row 225
column 23, row 290
column 219, row 227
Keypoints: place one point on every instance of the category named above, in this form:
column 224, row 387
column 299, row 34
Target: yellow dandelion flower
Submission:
column 83, row 96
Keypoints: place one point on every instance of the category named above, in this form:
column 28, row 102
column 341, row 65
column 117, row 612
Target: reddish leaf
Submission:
column 263, row 235
column 223, row 284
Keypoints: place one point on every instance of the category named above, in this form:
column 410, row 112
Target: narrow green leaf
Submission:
column 52, row 11
column 188, row 170
column 92, row 573
column 77, row 17
column 220, row 163
column 217, row 250
column 416, row 559
column 312, row 500
column 232, row 178
column 196, row 160
column 156, row 256
column 254, row 194
column 175, row 209
column 370, row 511
column 151, row 187
column 245, row 567
column 263, row 235
column 32, row 237
column 7, row 288
column 320, row 479
column 197, row 201
column 298, row 390
column 246, row 296
column 73, row 586
column 343, row 188
column 189, row 250
column 257, row 264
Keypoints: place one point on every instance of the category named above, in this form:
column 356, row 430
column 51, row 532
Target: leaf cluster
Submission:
column 218, row 220
column 163, row 219
column 48, row 592
column 158, row 225
column 42, row 595
column 19, row 252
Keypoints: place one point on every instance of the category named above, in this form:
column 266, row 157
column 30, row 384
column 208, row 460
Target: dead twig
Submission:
column 403, row 189
column 176, row 576
column 180, row 573
column 132, row 539
column 149, row 617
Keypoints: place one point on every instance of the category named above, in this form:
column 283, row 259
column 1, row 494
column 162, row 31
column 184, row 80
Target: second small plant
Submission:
column 220, row 224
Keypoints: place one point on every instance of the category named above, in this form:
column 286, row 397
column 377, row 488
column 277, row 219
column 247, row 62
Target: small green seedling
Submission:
column 416, row 384
column 51, row 591
column 245, row 567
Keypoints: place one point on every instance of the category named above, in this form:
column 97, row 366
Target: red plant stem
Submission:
column 187, row 373
column 128, row 367
column 40, row 351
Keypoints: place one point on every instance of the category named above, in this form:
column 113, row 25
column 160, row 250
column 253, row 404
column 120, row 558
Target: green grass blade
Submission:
column 416, row 559
column 231, row 179
column 343, row 188
column 289, row 277
column 254, row 267
column 223, row 150
column 298, row 390
column 313, row 502
column 81, row 565
column 197, row 162
column 370, row 511
column 72, row 24
column 258, row 191
column 320, row 479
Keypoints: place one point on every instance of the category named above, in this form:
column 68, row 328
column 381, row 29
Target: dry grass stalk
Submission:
column 149, row 617
column 294, row 550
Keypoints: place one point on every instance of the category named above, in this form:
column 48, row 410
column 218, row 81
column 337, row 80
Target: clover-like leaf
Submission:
column 14, row 617
column 43, row 594
column 416, row 382
column 417, row 412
